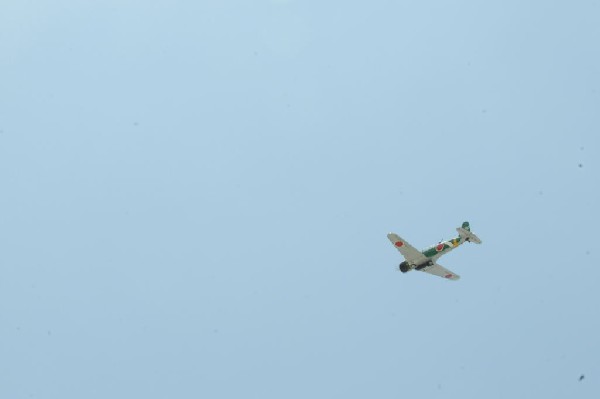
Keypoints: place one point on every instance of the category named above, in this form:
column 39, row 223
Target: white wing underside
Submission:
column 439, row 270
column 410, row 253
column 415, row 257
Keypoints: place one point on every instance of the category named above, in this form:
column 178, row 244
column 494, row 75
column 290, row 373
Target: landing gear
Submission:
column 424, row 265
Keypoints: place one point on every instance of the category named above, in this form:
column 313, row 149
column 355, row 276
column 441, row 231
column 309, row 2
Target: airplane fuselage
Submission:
column 435, row 251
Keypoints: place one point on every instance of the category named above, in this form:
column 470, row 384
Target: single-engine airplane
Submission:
column 425, row 260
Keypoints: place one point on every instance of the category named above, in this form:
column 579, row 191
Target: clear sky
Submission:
column 195, row 197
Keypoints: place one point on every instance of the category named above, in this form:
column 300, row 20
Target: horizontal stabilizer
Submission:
column 468, row 236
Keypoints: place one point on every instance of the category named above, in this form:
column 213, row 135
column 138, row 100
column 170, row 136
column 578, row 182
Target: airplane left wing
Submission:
column 440, row 271
column 410, row 253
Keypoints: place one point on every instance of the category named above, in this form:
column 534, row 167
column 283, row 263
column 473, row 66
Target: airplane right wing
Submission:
column 440, row 271
column 410, row 253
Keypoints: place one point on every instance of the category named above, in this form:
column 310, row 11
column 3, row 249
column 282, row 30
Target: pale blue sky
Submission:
column 196, row 197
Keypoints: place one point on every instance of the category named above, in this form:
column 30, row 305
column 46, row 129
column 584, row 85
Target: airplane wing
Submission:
column 438, row 270
column 410, row 253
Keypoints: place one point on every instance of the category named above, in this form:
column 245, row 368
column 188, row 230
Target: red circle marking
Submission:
column 399, row 244
column 448, row 276
column 439, row 247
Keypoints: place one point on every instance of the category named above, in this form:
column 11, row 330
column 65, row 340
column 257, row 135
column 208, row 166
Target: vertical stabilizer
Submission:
column 465, row 233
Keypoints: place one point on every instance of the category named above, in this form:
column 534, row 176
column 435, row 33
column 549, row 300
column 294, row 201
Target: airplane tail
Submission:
column 465, row 233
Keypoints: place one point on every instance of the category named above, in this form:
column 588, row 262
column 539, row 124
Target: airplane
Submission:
column 425, row 260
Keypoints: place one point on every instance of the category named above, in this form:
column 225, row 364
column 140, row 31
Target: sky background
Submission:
column 195, row 197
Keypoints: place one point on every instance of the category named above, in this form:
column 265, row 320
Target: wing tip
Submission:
column 452, row 276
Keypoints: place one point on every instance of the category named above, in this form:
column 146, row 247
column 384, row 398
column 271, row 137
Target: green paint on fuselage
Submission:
column 448, row 245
